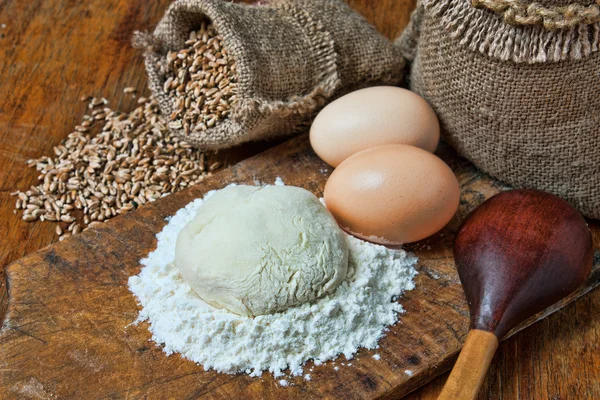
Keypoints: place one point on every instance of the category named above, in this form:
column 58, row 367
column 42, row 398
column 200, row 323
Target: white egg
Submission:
column 373, row 117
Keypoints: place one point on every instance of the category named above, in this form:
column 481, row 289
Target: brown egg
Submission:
column 373, row 117
column 392, row 194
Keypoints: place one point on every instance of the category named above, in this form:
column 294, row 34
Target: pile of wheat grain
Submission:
column 112, row 163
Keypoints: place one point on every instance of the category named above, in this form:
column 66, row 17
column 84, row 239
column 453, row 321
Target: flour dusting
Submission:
column 356, row 315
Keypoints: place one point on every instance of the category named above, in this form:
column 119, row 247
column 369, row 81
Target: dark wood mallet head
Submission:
column 517, row 254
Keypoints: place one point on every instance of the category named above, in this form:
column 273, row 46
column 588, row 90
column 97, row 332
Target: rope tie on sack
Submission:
column 517, row 12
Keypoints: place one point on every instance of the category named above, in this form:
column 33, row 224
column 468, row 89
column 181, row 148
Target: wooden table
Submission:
column 53, row 52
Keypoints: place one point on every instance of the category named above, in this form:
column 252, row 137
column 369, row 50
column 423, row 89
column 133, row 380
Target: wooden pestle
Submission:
column 517, row 254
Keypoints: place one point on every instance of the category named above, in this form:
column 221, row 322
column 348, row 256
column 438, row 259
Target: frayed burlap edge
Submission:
column 235, row 130
column 322, row 44
column 485, row 31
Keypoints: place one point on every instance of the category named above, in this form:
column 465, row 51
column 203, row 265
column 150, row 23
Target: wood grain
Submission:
column 520, row 252
column 54, row 51
column 471, row 367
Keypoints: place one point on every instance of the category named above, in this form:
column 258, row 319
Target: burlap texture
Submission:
column 291, row 57
column 521, row 102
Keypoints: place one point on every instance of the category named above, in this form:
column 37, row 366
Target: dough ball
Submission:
column 259, row 250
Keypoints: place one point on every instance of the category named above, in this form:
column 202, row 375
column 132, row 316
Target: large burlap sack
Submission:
column 516, row 86
column 292, row 56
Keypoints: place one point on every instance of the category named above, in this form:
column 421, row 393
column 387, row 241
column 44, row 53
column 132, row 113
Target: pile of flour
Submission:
column 356, row 315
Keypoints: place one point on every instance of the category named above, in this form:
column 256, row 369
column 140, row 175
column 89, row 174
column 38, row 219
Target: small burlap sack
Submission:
column 516, row 86
column 292, row 56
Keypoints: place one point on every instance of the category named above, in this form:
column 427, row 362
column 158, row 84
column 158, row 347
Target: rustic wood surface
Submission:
column 52, row 52
column 67, row 330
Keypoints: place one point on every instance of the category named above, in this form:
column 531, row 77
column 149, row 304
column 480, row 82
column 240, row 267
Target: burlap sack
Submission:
column 516, row 86
column 292, row 56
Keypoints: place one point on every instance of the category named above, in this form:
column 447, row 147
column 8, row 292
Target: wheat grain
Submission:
column 200, row 80
column 110, row 164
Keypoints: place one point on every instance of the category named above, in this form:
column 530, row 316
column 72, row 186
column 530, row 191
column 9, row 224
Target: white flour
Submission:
column 356, row 315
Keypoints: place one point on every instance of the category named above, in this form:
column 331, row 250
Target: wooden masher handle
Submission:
column 472, row 365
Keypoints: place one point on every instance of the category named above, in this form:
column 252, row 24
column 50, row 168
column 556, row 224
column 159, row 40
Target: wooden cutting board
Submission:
column 67, row 331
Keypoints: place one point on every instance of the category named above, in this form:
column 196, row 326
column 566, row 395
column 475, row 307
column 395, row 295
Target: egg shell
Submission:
column 392, row 194
column 373, row 117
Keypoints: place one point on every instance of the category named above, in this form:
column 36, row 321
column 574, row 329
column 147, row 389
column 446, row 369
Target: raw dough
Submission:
column 259, row 250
